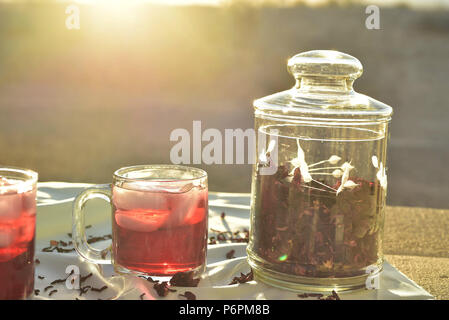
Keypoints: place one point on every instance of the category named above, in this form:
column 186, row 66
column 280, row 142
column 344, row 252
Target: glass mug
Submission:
column 17, row 232
column 159, row 220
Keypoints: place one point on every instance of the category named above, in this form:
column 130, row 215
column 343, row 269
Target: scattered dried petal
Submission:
column 335, row 295
column 184, row 279
column 243, row 278
column 58, row 281
column 161, row 288
column 47, row 288
column 63, row 243
column 82, row 279
column 52, row 292
column 99, row 289
column 149, row 279
column 188, row 295
column 84, row 290
column 230, row 254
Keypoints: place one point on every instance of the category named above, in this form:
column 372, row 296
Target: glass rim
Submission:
column 119, row 174
column 29, row 177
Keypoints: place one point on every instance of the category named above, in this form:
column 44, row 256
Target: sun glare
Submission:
column 165, row 2
column 116, row 15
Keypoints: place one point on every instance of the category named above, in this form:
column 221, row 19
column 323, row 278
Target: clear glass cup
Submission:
column 317, row 214
column 17, row 232
column 159, row 220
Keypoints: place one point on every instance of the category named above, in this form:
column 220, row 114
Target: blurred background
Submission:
column 75, row 105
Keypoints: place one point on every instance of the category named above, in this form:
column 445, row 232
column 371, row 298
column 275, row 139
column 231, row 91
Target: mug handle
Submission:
column 79, row 239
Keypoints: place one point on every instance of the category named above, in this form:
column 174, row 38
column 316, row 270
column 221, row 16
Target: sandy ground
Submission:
column 76, row 105
column 416, row 242
column 429, row 272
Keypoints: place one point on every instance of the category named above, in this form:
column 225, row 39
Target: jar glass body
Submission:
column 318, row 196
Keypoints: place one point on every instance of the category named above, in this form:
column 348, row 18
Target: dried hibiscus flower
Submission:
column 162, row 288
column 184, row 279
column 243, row 278
column 188, row 295
column 230, row 254
column 316, row 220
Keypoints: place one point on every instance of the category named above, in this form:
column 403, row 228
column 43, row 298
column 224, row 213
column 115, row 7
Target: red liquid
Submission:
column 159, row 233
column 17, row 232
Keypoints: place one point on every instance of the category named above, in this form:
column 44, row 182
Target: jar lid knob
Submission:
column 325, row 63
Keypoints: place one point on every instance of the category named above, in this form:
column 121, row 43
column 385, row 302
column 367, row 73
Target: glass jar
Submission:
column 319, row 187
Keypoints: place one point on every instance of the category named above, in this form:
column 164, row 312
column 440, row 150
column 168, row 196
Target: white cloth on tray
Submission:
column 54, row 223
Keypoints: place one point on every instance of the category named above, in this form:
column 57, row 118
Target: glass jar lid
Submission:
column 323, row 91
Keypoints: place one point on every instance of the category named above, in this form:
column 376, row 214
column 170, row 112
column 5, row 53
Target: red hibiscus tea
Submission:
column 17, row 232
column 159, row 227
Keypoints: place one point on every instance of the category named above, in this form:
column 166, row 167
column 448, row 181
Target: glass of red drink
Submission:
column 17, row 232
column 159, row 220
